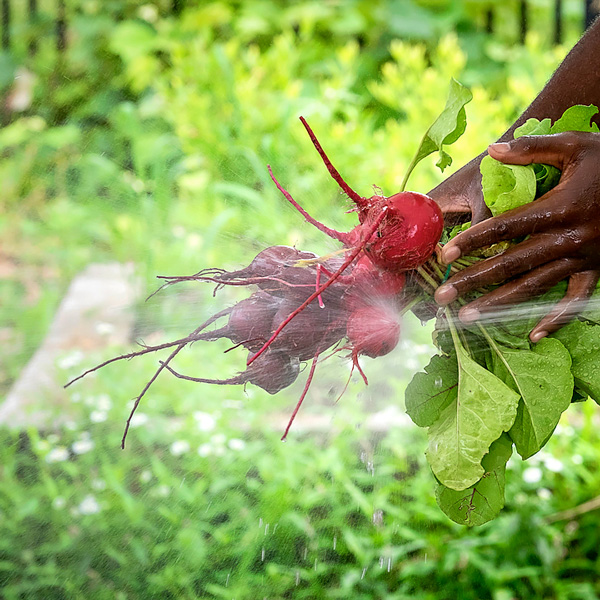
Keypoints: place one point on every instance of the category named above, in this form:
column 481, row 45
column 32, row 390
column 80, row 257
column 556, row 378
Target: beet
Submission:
column 408, row 234
column 272, row 372
column 310, row 332
column 373, row 331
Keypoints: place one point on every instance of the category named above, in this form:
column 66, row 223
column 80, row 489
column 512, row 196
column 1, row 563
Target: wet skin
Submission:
column 561, row 229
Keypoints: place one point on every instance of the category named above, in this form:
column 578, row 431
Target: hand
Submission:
column 563, row 228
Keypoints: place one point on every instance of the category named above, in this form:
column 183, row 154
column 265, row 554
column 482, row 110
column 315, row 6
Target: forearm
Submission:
column 576, row 81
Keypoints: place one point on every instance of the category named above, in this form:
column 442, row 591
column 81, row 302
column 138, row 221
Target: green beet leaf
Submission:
column 542, row 377
column 430, row 392
column 506, row 186
column 484, row 408
column 482, row 501
column 576, row 118
column 533, row 127
column 445, row 130
column 582, row 340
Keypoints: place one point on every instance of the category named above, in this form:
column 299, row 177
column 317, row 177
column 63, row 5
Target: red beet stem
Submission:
column 237, row 380
column 336, row 235
column 304, row 392
column 355, row 252
column 360, row 200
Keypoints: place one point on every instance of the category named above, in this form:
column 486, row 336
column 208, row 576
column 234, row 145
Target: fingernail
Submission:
column 446, row 294
column 536, row 336
column 450, row 254
column 500, row 147
column 469, row 314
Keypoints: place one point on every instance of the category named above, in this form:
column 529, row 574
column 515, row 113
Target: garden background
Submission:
column 139, row 132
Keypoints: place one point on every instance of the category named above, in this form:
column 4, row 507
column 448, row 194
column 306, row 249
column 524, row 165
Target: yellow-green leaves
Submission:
column 429, row 393
column 445, row 130
column 509, row 186
column 484, row 408
column 542, row 377
column 482, row 501
column 582, row 340
column 506, row 186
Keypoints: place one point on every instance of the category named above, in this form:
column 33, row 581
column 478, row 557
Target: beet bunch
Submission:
column 302, row 307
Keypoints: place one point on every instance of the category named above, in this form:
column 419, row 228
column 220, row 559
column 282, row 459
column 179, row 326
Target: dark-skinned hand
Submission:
column 561, row 230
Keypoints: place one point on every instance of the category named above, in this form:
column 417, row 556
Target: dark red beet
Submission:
column 373, row 331
column 310, row 332
column 269, row 262
column 273, row 371
column 409, row 233
column 370, row 283
column 250, row 319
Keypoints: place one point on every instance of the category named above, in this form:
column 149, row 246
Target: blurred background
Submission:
column 138, row 133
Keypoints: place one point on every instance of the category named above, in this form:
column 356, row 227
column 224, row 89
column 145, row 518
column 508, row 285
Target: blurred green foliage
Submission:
column 206, row 502
column 147, row 141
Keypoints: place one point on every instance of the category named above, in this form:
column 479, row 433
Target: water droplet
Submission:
column 438, row 382
column 260, row 522
column 381, row 562
column 227, row 580
column 315, row 564
column 305, row 553
column 266, row 529
column 334, row 542
column 363, row 573
column 297, row 577
column 262, row 554
column 378, row 517
column 389, row 564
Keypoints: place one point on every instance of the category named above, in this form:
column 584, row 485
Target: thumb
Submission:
column 556, row 149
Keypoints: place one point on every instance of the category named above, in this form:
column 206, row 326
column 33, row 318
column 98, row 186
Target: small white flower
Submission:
column 236, row 444
column 59, row 502
column 532, row 475
column 104, row 328
column 235, row 404
column 138, row 419
column 148, row 12
column 75, row 397
column 145, row 476
column 70, row 425
column 99, row 484
column 82, row 446
column 219, row 450
column 88, row 506
column 52, row 439
column 103, row 402
column 57, row 454
column 193, row 241
column 204, row 421
column 70, row 360
column 163, row 491
column 180, row 447
column 577, row 459
column 544, row 494
column 553, row 464
column 218, row 439
column 205, row 450
column 97, row 416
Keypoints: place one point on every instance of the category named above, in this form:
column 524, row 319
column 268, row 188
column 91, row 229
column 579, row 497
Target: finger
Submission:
column 527, row 219
column 527, row 287
column 581, row 287
column 523, row 257
column 556, row 150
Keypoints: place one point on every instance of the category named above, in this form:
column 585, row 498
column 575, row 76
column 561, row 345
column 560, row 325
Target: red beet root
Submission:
column 373, row 331
column 273, row 372
column 409, row 233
